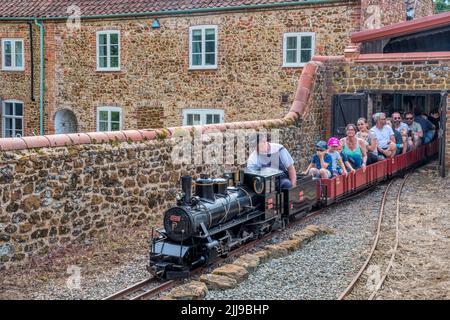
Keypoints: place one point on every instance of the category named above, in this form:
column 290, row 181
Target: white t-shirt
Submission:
column 258, row 161
column 383, row 135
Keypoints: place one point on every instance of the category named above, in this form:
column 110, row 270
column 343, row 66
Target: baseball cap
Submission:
column 334, row 142
column 322, row 145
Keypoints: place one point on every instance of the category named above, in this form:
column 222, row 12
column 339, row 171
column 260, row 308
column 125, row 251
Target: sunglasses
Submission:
column 397, row 118
column 409, row 118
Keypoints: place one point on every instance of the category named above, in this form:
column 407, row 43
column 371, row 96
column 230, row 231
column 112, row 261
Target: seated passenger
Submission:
column 320, row 163
column 415, row 133
column 354, row 149
column 337, row 166
column 385, row 136
column 347, row 165
column 428, row 128
column 398, row 125
column 370, row 140
column 435, row 119
column 273, row 155
column 400, row 140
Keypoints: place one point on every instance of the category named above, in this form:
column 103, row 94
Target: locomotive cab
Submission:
column 266, row 184
column 288, row 202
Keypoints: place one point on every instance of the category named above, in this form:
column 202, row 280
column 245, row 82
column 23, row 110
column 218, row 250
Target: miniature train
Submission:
column 224, row 213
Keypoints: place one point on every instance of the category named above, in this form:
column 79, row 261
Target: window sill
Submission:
column 200, row 68
column 108, row 70
column 294, row 65
column 13, row 70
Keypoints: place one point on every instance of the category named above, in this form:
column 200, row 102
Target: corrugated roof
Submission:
column 403, row 28
column 59, row 8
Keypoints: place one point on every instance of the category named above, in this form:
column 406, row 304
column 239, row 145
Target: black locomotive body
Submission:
column 223, row 214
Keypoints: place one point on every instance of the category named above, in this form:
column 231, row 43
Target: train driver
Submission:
column 273, row 155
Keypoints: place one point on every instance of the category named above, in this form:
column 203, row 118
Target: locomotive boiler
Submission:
column 223, row 214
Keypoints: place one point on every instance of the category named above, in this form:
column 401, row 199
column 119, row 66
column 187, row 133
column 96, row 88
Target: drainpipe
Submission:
column 41, row 76
column 30, row 25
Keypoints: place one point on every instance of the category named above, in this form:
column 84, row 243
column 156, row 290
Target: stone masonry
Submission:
column 155, row 82
column 155, row 85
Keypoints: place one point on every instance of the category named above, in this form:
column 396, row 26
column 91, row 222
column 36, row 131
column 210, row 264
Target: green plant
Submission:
column 114, row 142
column 162, row 134
column 441, row 6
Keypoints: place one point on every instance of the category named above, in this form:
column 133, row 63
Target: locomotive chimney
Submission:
column 186, row 186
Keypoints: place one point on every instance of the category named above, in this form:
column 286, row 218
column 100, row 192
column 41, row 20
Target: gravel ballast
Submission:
column 322, row 268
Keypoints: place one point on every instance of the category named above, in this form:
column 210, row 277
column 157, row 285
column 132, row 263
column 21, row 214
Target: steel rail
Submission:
column 123, row 293
column 154, row 291
column 394, row 252
column 352, row 284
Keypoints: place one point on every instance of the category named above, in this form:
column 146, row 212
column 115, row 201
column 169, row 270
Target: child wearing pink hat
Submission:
column 337, row 166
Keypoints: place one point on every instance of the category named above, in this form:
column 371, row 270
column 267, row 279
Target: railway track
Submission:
column 143, row 290
column 150, row 288
column 356, row 288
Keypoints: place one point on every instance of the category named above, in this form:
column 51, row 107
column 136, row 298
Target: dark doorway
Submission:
column 390, row 102
column 347, row 108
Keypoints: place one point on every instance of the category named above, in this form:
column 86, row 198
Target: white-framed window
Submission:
column 298, row 48
column 12, row 119
column 193, row 117
column 108, row 50
column 12, row 55
column 109, row 118
column 203, row 43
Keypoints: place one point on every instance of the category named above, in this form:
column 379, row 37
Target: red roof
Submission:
column 402, row 28
column 58, row 8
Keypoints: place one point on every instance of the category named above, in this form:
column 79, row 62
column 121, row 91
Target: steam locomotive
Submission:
column 223, row 214
column 227, row 212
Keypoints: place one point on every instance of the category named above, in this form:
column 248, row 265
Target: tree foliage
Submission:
column 441, row 6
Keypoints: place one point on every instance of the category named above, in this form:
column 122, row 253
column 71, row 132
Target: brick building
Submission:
column 143, row 64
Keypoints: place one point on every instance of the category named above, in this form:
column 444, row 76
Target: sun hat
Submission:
column 334, row 142
column 322, row 145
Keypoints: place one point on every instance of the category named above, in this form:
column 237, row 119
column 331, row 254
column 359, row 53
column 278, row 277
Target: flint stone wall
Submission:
column 54, row 196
